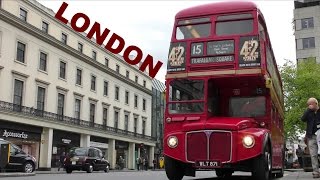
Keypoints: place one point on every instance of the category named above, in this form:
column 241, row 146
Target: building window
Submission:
column 105, row 88
column 77, row 108
column 94, row 55
column 126, row 122
column 79, row 77
column 116, row 119
column 106, row 62
column 116, row 93
column 136, row 79
column 64, row 38
column 92, row 113
column 45, row 27
column 17, row 97
column 143, row 127
column 144, row 104
column 307, row 23
column 118, row 68
column 144, row 83
column 23, row 14
column 43, row 61
column 93, row 83
column 135, row 101
column 105, row 116
column 80, row 47
column 62, row 73
column 310, row 59
column 135, row 124
column 127, row 74
column 41, row 98
column 308, row 43
column 60, row 104
column 127, row 97
column 21, row 50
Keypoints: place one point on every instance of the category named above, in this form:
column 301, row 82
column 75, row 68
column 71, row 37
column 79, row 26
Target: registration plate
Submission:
column 73, row 162
column 208, row 164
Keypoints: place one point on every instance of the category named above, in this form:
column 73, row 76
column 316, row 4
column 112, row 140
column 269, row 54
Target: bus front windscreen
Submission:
column 183, row 93
column 247, row 106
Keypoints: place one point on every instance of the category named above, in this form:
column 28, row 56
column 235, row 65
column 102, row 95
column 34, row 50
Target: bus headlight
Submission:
column 172, row 141
column 168, row 120
column 248, row 141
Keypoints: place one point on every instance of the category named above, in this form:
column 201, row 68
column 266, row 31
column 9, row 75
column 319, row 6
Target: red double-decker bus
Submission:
column 224, row 94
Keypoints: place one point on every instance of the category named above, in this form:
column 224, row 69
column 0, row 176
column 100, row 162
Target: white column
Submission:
column 46, row 149
column 132, row 161
column 112, row 153
column 151, row 156
column 85, row 140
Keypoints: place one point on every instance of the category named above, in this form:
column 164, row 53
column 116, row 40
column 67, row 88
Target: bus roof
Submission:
column 216, row 8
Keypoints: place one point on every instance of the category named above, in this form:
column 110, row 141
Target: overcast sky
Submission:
column 148, row 24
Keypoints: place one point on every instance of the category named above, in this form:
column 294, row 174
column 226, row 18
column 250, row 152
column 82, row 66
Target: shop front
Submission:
column 100, row 143
column 122, row 149
column 63, row 141
column 27, row 137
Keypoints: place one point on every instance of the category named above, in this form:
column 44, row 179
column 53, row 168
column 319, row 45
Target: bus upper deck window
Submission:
column 193, row 28
column 234, row 27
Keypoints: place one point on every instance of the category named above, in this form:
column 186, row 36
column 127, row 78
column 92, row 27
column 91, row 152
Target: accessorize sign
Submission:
column 21, row 135
column 115, row 44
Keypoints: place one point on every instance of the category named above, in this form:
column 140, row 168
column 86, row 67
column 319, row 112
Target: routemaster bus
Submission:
column 224, row 100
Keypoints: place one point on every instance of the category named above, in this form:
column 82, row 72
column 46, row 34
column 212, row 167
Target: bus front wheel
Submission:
column 262, row 165
column 174, row 169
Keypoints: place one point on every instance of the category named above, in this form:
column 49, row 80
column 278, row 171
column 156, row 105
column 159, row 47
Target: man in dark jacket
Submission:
column 312, row 117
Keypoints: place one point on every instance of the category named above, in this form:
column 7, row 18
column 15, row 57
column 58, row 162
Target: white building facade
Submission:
column 307, row 29
column 59, row 89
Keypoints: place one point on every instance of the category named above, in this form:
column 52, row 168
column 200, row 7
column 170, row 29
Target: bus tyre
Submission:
column 174, row 169
column 68, row 170
column 262, row 165
column 221, row 173
column 90, row 168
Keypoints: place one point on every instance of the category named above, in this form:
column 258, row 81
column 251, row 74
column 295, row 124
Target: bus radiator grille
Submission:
column 220, row 146
column 209, row 145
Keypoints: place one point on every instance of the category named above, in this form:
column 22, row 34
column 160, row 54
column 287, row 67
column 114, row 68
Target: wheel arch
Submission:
column 267, row 142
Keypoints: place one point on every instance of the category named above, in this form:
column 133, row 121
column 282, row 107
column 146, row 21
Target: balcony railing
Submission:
column 6, row 106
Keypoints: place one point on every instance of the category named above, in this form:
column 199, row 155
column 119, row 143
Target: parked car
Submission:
column 86, row 159
column 19, row 160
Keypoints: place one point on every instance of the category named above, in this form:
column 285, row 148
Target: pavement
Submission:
column 294, row 170
column 15, row 174
column 55, row 171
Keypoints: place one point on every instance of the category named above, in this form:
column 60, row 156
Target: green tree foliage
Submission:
column 300, row 82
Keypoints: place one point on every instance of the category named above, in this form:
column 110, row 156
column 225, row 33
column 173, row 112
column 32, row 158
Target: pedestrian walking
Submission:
column 121, row 162
column 141, row 163
column 61, row 160
column 312, row 117
column 299, row 153
column 154, row 164
column 146, row 164
column 138, row 163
